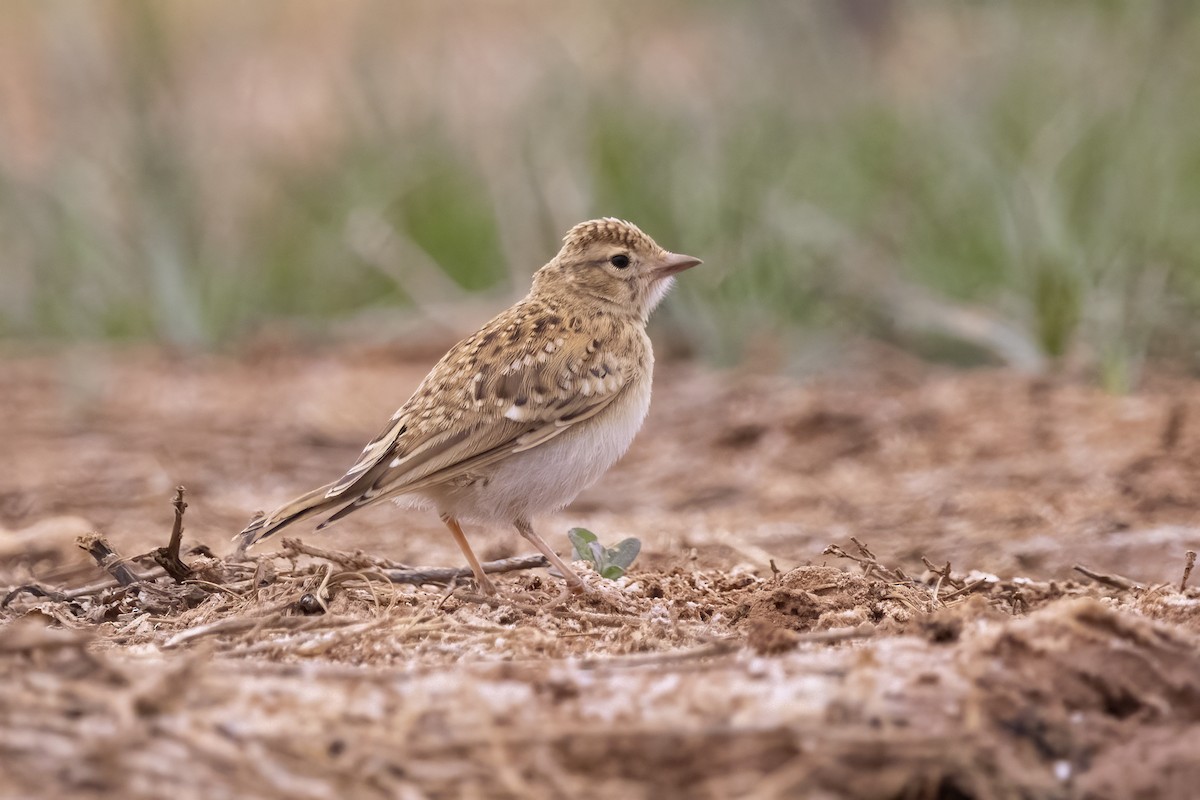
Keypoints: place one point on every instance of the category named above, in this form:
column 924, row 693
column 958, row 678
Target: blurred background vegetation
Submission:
column 981, row 181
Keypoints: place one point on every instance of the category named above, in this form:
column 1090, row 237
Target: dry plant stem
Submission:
column 356, row 560
column 240, row 624
column 719, row 648
column 343, row 577
column 965, row 589
column 168, row 557
column 1115, row 581
column 837, row 552
column 869, row 562
column 1188, row 563
column 862, row 548
column 36, row 591
column 322, row 592
column 944, row 572
column 71, row 594
column 422, row 575
column 499, row 601
column 837, row 635
column 106, row 558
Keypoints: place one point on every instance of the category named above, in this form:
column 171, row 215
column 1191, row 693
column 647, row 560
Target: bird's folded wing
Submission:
column 433, row 439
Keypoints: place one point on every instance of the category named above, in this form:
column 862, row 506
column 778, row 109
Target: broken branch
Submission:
column 106, row 558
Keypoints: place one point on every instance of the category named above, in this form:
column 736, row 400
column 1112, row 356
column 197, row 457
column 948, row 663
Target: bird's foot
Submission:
column 486, row 585
column 570, row 591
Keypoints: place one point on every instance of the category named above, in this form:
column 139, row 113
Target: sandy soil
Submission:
column 742, row 657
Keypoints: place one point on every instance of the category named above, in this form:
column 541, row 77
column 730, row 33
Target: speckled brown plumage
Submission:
column 523, row 414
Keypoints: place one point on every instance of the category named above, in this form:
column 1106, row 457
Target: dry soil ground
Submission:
column 742, row 657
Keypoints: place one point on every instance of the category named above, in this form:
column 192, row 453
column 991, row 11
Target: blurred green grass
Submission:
column 987, row 181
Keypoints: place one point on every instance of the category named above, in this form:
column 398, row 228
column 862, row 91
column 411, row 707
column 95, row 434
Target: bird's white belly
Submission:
column 549, row 476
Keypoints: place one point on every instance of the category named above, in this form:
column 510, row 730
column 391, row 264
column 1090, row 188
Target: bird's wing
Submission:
column 525, row 378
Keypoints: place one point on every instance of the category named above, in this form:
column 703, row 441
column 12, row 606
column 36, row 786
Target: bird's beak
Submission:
column 674, row 262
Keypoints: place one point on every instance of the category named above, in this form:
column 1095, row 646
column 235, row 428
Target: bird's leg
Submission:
column 485, row 583
column 574, row 582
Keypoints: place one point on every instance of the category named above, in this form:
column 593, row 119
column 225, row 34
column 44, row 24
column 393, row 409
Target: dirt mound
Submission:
column 816, row 597
column 1077, row 687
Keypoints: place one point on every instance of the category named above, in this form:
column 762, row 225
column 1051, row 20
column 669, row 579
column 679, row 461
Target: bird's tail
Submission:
column 306, row 505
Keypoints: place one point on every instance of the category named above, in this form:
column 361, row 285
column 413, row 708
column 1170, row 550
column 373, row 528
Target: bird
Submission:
column 521, row 416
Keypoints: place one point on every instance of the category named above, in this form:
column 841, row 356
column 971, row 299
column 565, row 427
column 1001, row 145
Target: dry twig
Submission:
column 1115, row 581
column 358, row 560
column 36, row 591
column 868, row 561
column 422, row 575
column 966, row 588
column 168, row 557
column 943, row 572
column 717, row 648
column 106, row 558
column 1188, row 563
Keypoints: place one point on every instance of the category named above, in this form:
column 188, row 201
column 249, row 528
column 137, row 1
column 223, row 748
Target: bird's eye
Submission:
column 620, row 261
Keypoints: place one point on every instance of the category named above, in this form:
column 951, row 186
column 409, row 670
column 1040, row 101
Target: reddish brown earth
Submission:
column 707, row 672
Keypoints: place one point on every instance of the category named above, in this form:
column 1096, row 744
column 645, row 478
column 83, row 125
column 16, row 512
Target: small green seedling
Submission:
column 610, row 562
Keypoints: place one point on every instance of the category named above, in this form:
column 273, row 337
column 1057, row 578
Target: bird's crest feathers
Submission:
column 606, row 229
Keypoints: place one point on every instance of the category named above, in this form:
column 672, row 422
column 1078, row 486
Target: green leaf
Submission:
column 597, row 556
column 581, row 539
column 623, row 553
column 609, row 562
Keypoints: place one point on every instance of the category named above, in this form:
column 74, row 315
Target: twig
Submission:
column 937, row 587
column 837, row 635
column 365, row 577
column 718, row 648
column 942, row 571
column 168, row 557
column 866, row 551
column 1188, row 562
column 422, row 575
column 965, row 589
column 242, row 624
column 357, row 560
column 89, row 590
column 36, row 591
column 1116, row 581
column 869, row 562
column 106, row 558
column 837, row 552
column 323, row 589
column 216, row 587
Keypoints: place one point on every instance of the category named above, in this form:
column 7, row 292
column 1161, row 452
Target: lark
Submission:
column 521, row 416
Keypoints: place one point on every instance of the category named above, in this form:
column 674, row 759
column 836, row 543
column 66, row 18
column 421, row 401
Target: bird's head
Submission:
column 613, row 264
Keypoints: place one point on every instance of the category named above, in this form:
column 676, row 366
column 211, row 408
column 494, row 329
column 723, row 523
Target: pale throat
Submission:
column 658, row 290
